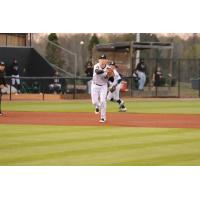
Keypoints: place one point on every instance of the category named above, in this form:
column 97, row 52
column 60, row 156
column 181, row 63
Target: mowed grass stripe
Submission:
column 110, row 156
column 134, row 143
column 36, row 131
column 169, row 160
column 113, row 157
column 125, row 136
column 96, row 150
column 56, row 139
column 96, row 145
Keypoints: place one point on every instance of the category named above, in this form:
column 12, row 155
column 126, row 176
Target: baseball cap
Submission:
column 103, row 56
column 112, row 63
column 2, row 63
column 141, row 60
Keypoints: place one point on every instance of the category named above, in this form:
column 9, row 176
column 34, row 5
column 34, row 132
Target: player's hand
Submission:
column 113, row 88
column 109, row 72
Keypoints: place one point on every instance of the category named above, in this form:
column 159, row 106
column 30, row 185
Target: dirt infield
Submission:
column 113, row 119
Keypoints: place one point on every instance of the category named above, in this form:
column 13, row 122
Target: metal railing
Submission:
column 77, row 88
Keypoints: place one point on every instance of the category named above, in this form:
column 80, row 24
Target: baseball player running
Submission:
column 2, row 81
column 114, row 88
column 99, row 87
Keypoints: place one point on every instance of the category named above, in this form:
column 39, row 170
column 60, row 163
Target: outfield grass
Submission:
column 61, row 145
column 135, row 106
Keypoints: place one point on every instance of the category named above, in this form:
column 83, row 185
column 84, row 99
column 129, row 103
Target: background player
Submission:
column 114, row 91
column 15, row 75
column 99, row 87
column 141, row 72
column 2, row 81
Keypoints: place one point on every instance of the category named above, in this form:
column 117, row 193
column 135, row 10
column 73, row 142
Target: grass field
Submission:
column 62, row 145
column 135, row 106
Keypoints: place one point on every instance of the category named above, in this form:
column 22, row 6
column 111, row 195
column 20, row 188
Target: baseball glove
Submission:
column 113, row 88
column 110, row 73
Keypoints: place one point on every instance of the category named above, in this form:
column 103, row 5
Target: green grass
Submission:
column 135, row 106
column 61, row 145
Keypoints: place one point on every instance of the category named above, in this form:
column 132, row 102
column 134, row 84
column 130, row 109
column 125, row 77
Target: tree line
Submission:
column 83, row 45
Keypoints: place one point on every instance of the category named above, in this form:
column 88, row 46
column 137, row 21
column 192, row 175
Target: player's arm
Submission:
column 115, row 82
column 117, row 79
column 4, row 82
column 98, row 70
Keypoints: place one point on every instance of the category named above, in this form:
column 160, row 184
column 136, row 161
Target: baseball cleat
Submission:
column 96, row 111
column 123, row 109
column 102, row 120
column 122, row 103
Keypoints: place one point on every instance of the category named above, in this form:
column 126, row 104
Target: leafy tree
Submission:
column 93, row 41
column 117, row 37
column 149, row 37
column 53, row 52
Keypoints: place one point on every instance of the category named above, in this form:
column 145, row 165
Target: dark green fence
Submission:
column 180, row 79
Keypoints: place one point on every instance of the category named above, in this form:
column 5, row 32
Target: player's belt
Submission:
column 98, row 84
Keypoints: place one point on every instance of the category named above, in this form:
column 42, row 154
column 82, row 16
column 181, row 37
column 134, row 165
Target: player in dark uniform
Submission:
column 2, row 81
column 89, row 74
column 15, row 70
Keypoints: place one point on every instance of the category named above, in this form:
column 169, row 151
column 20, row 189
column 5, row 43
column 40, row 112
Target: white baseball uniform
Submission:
column 117, row 79
column 99, row 89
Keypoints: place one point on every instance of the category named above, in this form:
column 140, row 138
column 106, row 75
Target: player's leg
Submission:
column 110, row 96
column 89, row 86
column 13, row 80
column 18, row 83
column 103, row 94
column 14, row 83
column 142, row 80
column 51, row 88
column 95, row 93
column 116, row 95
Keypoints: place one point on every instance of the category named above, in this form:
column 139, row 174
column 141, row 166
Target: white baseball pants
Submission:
column 98, row 94
column 15, row 79
column 142, row 80
column 114, row 95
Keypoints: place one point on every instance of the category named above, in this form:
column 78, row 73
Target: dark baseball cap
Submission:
column 2, row 63
column 103, row 56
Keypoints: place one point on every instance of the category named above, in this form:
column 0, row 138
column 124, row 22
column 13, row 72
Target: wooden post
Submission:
column 179, row 79
column 170, row 67
column 30, row 42
column 199, row 78
column 131, row 66
column 151, row 70
column 6, row 39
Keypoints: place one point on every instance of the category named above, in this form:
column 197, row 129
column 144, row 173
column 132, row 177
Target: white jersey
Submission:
column 99, row 79
column 117, row 78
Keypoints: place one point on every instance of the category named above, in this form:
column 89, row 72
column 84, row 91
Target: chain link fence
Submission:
column 181, row 78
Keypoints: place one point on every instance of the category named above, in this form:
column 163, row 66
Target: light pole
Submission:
column 138, row 51
column 81, row 42
column 81, row 54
